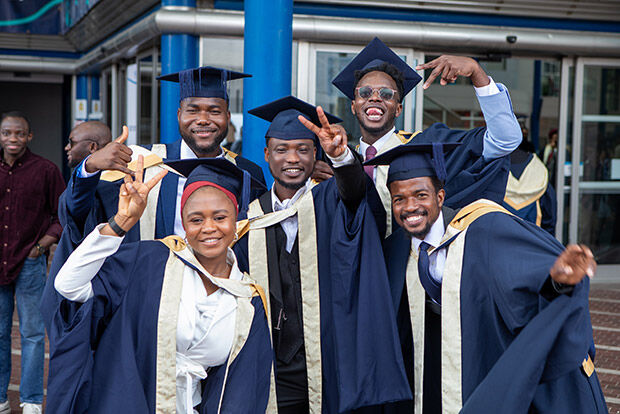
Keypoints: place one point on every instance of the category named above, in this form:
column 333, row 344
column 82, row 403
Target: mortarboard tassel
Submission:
column 439, row 162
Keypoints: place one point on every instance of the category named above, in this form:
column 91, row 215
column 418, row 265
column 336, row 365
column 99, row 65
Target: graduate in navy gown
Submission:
column 493, row 311
column 92, row 194
column 316, row 251
column 529, row 194
column 377, row 80
column 170, row 325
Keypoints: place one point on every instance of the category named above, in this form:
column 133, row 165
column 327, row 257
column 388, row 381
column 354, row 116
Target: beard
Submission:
column 204, row 151
column 421, row 234
column 289, row 185
column 386, row 126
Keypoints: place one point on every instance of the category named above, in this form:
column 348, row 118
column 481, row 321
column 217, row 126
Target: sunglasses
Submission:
column 366, row 92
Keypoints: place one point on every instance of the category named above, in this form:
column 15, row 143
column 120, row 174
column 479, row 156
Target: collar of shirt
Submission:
column 277, row 205
column 18, row 162
column 188, row 154
column 378, row 143
column 434, row 235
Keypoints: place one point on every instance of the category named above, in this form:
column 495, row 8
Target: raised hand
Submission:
column 322, row 171
column 451, row 67
column 573, row 265
column 333, row 138
column 133, row 197
column 114, row 156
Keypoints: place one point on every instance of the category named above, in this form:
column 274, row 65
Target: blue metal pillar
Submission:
column 178, row 52
column 267, row 56
column 81, row 98
column 536, row 104
column 94, row 104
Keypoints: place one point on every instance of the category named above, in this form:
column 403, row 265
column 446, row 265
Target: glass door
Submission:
column 325, row 61
column 595, row 162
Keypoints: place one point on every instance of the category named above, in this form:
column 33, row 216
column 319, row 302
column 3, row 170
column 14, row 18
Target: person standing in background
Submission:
column 30, row 186
column 85, row 139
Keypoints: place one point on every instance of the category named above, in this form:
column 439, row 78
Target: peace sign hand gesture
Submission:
column 333, row 138
column 133, row 197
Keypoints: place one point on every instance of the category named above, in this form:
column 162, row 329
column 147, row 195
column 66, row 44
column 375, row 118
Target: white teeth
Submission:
column 413, row 219
column 292, row 170
column 374, row 114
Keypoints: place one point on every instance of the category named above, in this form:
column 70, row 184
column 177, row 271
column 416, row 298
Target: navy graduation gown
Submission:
column 360, row 350
column 105, row 354
column 522, row 350
column 470, row 176
column 88, row 201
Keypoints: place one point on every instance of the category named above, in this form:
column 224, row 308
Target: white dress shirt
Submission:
column 378, row 145
column 436, row 259
column 186, row 153
column 289, row 225
column 205, row 325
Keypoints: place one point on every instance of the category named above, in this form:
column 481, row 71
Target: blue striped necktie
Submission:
column 430, row 285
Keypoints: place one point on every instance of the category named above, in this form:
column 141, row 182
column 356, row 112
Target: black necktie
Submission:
column 430, row 285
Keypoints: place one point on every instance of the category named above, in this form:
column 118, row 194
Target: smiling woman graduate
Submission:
column 143, row 324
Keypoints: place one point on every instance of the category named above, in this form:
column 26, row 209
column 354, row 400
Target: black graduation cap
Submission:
column 204, row 82
column 374, row 55
column 222, row 172
column 414, row 160
column 283, row 113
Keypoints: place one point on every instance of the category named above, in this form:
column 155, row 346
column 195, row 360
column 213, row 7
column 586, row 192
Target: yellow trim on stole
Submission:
column 165, row 371
column 257, row 258
column 588, row 366
column 529, row 187
column 308, row 267
column 151, row 158
column 174, row 243
column 230, row 156
column 311, row 308
column 417, row 308
column 451, row 361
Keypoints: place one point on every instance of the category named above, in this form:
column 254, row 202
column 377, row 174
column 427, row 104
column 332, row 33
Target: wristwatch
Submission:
column 116, row 228
column 40, row 248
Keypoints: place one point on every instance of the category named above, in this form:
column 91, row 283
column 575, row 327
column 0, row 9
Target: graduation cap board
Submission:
column 222, row 173
column 374, row 55
column 415, row 160
column 204, row 82
column 283, row 113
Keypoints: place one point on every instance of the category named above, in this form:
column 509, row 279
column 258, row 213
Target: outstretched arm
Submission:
column 74, row 278
column 503, row 134
column 346, row 167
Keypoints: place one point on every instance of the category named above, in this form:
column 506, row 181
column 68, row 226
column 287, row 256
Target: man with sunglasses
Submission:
column 377, row 80
column 85, row 139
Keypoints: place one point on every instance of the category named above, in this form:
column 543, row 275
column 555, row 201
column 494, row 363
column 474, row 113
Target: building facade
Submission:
column 67, row 61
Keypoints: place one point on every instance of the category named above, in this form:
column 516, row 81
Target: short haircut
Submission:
column 16, row 114
column 437, row 183
column 388, row 69
column 99, row 131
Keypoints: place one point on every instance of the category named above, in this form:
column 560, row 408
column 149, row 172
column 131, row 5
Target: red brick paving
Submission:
column 606, row 298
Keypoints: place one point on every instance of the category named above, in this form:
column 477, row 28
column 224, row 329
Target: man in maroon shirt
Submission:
column 29, row 189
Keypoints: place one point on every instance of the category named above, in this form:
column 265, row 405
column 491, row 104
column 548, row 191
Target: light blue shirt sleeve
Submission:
column 81, row 170
column 503, row 134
